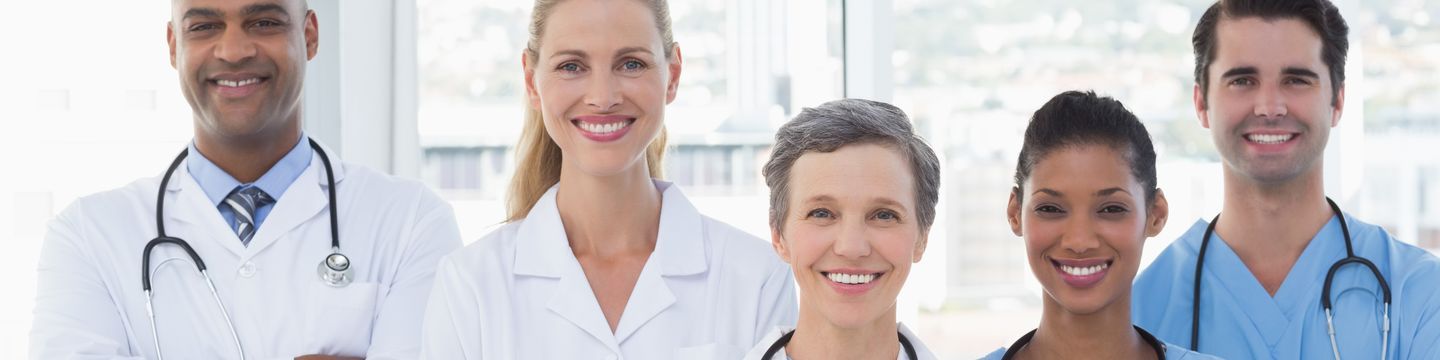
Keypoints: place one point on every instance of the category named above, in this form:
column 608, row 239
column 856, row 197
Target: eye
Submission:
column 1244, row 81
column 1114, row 209
column 1049, row 209
column 202, row 27
column 1298, row 81
column 570, row 67
column 267, row 23
column 820, row 213
column 886, row 215
column 633, row 65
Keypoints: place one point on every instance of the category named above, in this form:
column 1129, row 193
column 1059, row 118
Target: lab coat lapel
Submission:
column 679, row 251
column 306, row 200
column 543, row 250
column 190, row 216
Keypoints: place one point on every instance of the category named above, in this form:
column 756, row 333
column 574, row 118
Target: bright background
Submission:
column 431, row 89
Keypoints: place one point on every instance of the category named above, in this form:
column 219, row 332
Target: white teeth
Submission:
column 1083, row 271
column 851, row 278
column 603, row 128
column 233, row 83
column 1269, row 138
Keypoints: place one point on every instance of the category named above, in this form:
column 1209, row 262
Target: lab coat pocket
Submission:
column 710, row 351
column 341, row 319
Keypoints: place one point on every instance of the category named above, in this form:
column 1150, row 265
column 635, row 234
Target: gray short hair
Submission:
column 839, row 123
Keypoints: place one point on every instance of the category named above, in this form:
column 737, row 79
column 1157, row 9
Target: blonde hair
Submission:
column 538, row 158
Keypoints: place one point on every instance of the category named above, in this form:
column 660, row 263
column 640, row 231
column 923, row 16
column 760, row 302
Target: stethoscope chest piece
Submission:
column 335, row 270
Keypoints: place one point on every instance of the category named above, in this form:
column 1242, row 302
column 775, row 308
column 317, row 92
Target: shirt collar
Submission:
column 681, row 242
column 218, row 184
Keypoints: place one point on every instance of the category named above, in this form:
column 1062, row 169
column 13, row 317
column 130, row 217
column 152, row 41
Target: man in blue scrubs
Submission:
column 1270, row 86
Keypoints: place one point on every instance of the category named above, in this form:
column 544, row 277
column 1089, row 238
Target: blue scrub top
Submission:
column 1240, row 320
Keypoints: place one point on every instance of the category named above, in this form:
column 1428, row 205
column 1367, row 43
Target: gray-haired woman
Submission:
column 852, row 198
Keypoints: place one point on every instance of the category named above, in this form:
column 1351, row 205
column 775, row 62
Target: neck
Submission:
column 1105, row 334
column 246, row 158
column 1274, row 219
column 609, row 216
column 817, row 338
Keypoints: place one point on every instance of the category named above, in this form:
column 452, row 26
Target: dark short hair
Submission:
column 1076, row 118
column 844, row 122
column 1321, row 15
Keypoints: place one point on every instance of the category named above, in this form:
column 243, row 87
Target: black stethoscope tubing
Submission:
column 1325, row 289
column 1149, row 340
column 785, row 339
column 334, row 269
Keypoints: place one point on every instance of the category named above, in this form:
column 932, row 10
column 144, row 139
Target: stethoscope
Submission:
column 1324, row 292
column 1149, row 340
column 334, row 270
column 785, row 339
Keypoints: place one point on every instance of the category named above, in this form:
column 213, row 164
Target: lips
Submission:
column 1082, row 273
column 603, row 128
column 852, row 282
column 236, row 85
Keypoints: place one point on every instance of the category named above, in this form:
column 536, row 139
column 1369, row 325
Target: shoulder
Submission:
column 490, row 253
column 758, row 352
column 382, row 186
column 738, row 250
column 136, row 199
column 1407, row 263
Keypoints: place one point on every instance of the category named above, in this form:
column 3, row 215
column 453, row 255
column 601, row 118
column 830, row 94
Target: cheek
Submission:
column 807, row 244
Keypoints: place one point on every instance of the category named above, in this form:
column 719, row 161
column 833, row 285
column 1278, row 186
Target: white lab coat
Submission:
column 90, row 303
column 708, row 291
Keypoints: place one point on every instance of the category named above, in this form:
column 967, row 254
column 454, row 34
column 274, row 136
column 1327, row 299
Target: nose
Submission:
column 603, row 94
column 851, row 241
column 1270, row 102
column 235, row 46
column 1080, row 236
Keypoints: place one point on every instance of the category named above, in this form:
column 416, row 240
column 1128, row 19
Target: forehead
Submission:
column 599, row 25
column 1083, row 169
column 178, row 8
column 853, row 172
column 1267, row 44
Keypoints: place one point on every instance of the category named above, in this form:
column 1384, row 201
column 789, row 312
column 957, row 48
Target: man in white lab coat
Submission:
column 253, row 197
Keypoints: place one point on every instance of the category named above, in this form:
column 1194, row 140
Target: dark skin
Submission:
column 241, row 64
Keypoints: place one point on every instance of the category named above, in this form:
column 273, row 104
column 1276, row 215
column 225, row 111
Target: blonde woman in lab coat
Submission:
column 598, row 259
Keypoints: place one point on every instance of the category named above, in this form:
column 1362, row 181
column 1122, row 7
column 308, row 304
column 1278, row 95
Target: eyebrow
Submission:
column 1240, row 71
column 249, row 10
column 1298, row 71
column 618, row 53
column 1048, row 192
column 260, row 8
column 820, row 198
column 1110, row 191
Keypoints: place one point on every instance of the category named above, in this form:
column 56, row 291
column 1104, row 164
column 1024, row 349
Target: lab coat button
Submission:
column 248, row 269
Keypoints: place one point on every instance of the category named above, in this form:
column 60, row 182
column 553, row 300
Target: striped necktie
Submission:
column 244, row 200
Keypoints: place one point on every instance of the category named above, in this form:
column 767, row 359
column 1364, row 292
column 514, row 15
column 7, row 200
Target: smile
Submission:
column 852, row 279
column 1269, row 139
column 603, row 128
column 1082, row 273
column 239, row 83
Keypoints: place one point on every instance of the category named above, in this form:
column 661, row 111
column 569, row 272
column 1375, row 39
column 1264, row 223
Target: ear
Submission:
column 312, row 35
column 778, row 242
column 1159, row 213
column 1012, row 211
column 1201, row 108
column 531, row 94
column 1339, row 106
column 674, row 84
column 170, row 40
column 920, row 246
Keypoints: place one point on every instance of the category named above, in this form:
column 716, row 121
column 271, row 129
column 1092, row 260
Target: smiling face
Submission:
column 851, row 234
column 241, row 63
column 601, row 81
column 1084, row 219
column 1269, row 100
